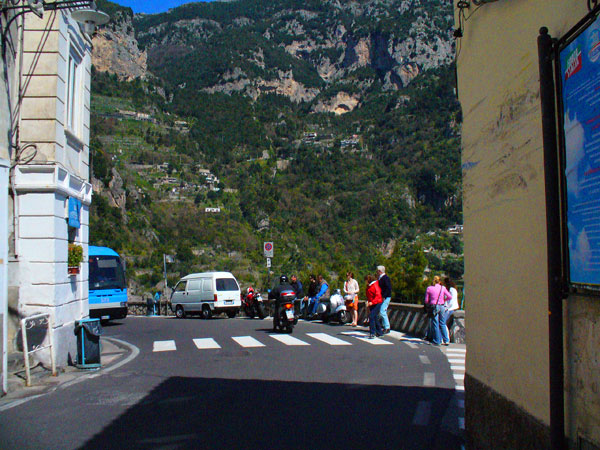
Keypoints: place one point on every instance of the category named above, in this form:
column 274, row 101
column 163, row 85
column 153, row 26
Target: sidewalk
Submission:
column 114, row 353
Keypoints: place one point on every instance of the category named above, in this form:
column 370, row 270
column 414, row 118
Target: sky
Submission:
column 153, row 6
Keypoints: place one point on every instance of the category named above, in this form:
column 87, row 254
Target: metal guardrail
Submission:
column 39, row 319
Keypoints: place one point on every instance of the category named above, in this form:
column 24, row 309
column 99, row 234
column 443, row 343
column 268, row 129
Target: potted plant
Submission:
column 75, row 258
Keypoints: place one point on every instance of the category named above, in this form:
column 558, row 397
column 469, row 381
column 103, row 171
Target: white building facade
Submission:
column 49, row 190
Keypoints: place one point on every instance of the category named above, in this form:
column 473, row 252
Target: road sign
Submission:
column 268, row 262
column 268, row 249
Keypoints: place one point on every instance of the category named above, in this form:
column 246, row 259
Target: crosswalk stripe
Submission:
column 459, row 376
column 424, row 359
column 461, row 423
column 206, row 343
column 456, row 361
column 411, row 339
column 164, row 346
column 457, row 367
column 429, row 379
column 247, row 341
column 413, row 346
column 365, row 337
column 459, row 388
column 422, row 414
column 456, row 352
column 288, row 340
column 323, row 337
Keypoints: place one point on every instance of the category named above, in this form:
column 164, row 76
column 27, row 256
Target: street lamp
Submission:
column 89, row 17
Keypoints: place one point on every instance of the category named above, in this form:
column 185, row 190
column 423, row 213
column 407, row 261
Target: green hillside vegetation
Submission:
column 377, row 185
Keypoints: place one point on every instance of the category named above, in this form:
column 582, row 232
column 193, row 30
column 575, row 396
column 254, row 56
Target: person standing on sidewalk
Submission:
column 374, row 301
column 351, row 290
column 452, row 305
column 435, row 298
column 386, row 293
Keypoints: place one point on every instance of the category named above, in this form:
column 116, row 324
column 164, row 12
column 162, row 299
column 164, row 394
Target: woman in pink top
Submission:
column 436, row 297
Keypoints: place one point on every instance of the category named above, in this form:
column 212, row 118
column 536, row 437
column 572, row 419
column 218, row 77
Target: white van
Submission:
column 205, row 293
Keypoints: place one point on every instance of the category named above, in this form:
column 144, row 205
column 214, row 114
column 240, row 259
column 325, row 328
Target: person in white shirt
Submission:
column 452, row 305
column 351, row 290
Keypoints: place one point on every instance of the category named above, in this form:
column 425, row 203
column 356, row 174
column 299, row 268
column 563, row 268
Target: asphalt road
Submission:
column 233, row 384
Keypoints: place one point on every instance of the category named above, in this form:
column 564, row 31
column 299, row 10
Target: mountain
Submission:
column 329, row 127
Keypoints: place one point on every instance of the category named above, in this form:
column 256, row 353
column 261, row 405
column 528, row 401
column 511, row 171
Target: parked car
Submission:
column 206, row 294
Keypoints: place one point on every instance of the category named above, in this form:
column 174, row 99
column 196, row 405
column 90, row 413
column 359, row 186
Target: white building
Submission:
column 47, row 100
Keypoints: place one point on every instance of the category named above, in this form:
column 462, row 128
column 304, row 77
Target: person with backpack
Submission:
column 435, row 301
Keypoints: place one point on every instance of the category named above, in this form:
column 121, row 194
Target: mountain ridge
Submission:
column 325, row 131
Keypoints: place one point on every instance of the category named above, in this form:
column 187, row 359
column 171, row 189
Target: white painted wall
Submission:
column 59, row 170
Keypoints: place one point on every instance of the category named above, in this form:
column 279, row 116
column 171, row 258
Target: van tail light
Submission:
column 215, row 297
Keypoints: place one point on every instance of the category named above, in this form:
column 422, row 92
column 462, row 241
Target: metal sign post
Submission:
column 268, row 252
column 268, row 249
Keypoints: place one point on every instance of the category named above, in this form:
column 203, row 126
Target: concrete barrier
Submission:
column 404, row 317
column 411, row 319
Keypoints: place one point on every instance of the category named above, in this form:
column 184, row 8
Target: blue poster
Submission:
column 74, row 212
column 580, row 78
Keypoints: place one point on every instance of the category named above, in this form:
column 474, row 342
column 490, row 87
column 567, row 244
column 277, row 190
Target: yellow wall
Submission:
column 504, row 207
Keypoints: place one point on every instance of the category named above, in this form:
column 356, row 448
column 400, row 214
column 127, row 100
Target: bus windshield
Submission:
column 106, row 272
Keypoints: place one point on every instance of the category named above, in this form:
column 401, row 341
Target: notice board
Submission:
column 579, row 73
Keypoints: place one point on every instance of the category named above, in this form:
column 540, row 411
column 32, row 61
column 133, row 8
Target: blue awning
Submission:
column 74, row 211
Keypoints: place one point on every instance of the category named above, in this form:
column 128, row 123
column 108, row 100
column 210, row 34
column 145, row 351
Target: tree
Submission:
column 405, row 268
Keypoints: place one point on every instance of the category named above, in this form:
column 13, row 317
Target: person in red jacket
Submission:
column 374, row 301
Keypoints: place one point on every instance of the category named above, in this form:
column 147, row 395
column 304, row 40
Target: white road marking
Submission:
column 457, row 367
column 459, row 388
column 456, row 361
column 422, row 414
column 288, row 340
column 455, row 352
column 411, row 339
column 164, row 346
column 459, row 376
column 413, row 346
column 365, row 337
column 206, row 343
column 247, row 341
column 424, row 359
column 429, row 379
column 461, row 404
column 461, row 423
column 327, row 339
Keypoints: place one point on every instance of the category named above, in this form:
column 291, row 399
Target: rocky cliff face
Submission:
column 116, row 50
column 298, row 52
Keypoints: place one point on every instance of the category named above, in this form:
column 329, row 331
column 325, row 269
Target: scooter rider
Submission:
column 275, row 294
column 323, row 294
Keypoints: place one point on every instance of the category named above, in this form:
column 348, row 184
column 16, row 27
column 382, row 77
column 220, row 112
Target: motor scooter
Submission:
column 253, row 305
column 285, row 319
column 334, row 309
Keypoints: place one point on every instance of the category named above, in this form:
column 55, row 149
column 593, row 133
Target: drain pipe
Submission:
column 553, row 240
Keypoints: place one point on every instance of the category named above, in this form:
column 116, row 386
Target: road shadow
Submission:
column 214, row 413
column 111, row 324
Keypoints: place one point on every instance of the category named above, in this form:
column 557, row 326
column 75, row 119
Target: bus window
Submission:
column 106, row 272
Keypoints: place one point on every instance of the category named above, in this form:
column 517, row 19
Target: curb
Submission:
column 64, row 380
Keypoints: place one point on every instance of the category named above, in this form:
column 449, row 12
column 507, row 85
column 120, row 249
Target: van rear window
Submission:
column 227, row 284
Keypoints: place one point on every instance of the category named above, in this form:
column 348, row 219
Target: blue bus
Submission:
column 107, row 284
